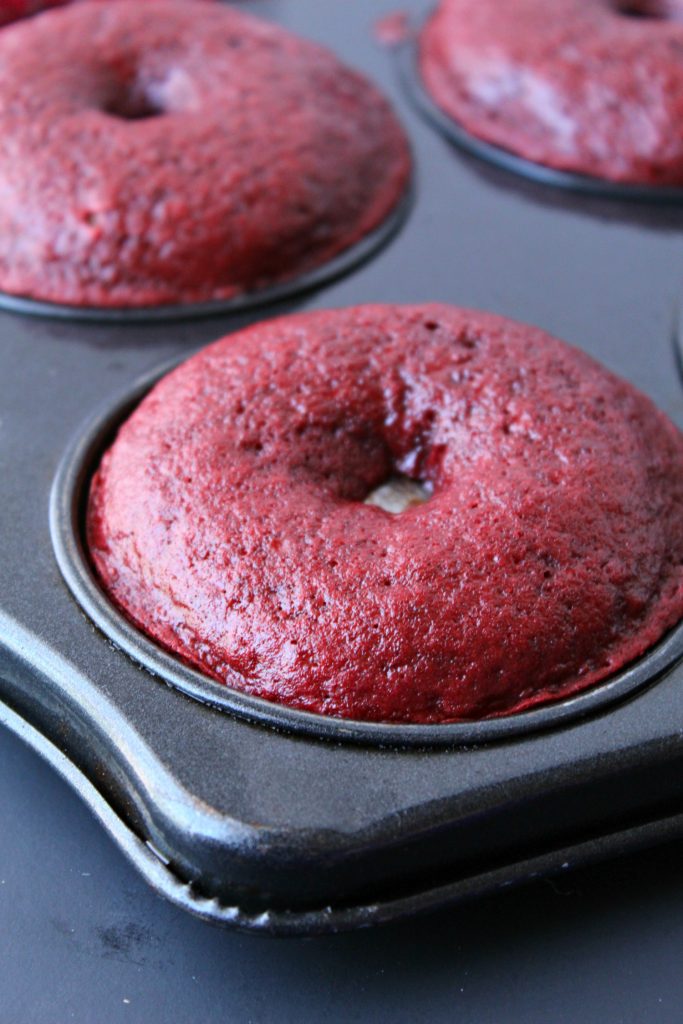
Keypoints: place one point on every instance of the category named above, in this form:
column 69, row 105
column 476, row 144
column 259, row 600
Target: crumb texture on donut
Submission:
column 229, row 521
column 589, row 86
column 164, row 152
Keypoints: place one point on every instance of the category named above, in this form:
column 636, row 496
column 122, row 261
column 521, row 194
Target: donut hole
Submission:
column 657, row 10
column 399, row 493
column 357, row 459
column 131, row 103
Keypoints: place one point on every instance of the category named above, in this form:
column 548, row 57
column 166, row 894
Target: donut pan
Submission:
column 290, row 824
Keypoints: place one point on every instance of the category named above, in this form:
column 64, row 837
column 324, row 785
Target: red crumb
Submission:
column 393, row 29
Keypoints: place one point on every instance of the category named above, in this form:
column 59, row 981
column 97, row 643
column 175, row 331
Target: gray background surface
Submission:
column 83, row 939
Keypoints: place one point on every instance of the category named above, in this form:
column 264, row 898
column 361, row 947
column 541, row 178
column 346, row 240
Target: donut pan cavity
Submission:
column 347, row 261
column 68, row 500
column 252, row 816
column 406, row 56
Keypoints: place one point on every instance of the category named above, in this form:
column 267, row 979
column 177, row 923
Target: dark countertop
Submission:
column 83, row 940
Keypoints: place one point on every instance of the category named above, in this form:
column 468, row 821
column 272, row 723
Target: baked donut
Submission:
column 588, row 86
column 172, row 152
column 229, row 519
column 11, row 10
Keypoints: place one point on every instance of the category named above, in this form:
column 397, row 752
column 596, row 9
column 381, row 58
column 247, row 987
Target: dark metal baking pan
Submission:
column 279, row 831
column 159, row 875
column 67, row 512
column 407, row 60
column 346, row 262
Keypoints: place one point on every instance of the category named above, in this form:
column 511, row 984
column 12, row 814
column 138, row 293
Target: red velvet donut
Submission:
column 11, row 10
column 228, row 520
column 580, row 85
column 164, row 151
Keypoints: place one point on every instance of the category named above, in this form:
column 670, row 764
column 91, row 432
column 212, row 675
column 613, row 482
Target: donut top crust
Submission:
column 11, row 10
column 165, row 152
column 577, row 85
column 227, row 519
